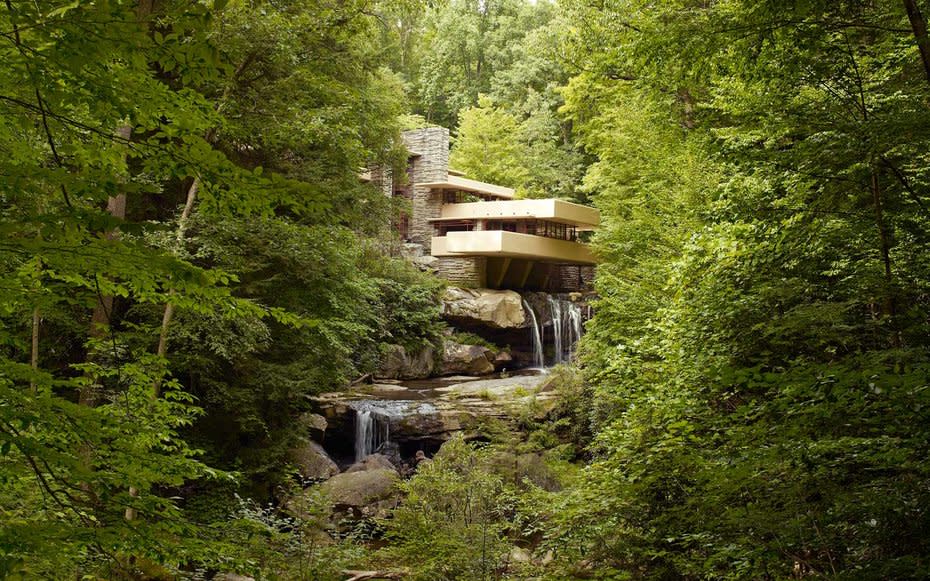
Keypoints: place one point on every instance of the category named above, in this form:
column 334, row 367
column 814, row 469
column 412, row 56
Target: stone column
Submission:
column 430, row 148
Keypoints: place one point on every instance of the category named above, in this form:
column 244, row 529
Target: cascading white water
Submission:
column 573, row 312
column 536, row 331
column 566, row 328
column 372, row 430
column 555, row 313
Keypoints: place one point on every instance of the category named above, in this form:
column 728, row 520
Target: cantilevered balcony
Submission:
column 551, row 210
column 501, row 243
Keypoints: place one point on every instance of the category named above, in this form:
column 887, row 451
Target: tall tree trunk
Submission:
column 34, row 356
column 116, row 206
column 888, row 302
column 100, row 319
column 192, row 191
column 168, row 313
column 919, row 26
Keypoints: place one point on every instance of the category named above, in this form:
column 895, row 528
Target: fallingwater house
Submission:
column 478, row 233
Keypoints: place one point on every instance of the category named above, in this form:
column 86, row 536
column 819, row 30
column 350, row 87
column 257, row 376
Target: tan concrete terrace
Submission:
column 463, row 184
column 581, row 217
column 512, row 245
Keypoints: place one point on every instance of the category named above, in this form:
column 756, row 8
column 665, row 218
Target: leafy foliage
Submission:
column 760, row 384
column 485, row 147
column 450, row 525
column 259, row 115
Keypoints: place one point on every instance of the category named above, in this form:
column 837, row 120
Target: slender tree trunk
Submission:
column 167, row 316
column 116, row 206
column 100, row 319
column 168, row 313
column 687, row 108
column 34, row 357
column 888, row 302
column 919, row 26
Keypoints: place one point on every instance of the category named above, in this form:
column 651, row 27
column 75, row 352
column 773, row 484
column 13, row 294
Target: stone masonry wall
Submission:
column 573, row 277
column 431, row 165
column 382, row 178
column 470, row 271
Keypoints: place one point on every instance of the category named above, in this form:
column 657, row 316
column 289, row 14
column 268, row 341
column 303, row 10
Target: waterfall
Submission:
column 372, row 430
column 538, row 359
column 566, row 328
column 567, row 321
column 573, row 313
column 555, row 313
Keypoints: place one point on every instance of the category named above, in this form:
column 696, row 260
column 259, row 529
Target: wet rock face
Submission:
column 497, row 309
column 397, row 363
column 422, row 416
column 312, row 461
column 460, row 359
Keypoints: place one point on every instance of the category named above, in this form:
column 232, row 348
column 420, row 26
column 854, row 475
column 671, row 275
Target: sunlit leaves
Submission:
column 760, row 393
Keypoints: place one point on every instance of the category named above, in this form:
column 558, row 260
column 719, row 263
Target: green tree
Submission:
column 761, row 383
column 464, row 43
column 256, row 121
column 485, row 147
column 451, row 523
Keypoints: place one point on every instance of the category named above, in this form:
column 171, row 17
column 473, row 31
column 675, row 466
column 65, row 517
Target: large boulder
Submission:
column 372, row 462
column 313, row 424
column 362, row 488
column 397, row 363
column 426, row 263
column 312, row 461
column 461, row 359
column 411, row 250
column 498, row 309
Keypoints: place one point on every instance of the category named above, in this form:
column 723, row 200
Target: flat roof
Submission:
column 579, row 225
column 550, row 210
column 454, row 182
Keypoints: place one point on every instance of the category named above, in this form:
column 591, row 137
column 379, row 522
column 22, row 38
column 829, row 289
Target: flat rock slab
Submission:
column 384, row 388
column 441, row 411
column 457, row 378
column 500, row 387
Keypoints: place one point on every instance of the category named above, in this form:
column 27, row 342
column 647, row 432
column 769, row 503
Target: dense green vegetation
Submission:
column 760, row 354
column 188, row 254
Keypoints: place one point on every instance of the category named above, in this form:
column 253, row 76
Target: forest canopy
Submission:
column 189, row 255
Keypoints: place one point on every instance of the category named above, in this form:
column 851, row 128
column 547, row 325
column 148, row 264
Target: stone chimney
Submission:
column 429, row 148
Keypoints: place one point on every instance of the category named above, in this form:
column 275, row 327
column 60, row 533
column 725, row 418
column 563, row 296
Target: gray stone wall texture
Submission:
column 382, row 178
column 574, row 277
column 470, row 271
column 430, row 145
